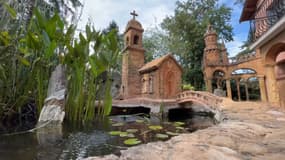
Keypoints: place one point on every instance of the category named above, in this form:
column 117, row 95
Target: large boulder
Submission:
column 53, row 110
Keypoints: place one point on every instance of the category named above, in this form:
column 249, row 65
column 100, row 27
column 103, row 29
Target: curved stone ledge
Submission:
column 248, row 131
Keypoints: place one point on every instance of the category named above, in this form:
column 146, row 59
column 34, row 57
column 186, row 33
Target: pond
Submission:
column 100, row 137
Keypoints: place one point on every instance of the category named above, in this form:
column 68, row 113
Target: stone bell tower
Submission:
column 211, row 57
column 211, row 52
column 133, row 59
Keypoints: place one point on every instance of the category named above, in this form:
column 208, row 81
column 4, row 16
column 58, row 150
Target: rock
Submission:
column 53, row 110
column 219, row 92
column 276, row 113
column 243, row 135
column 224, row 141
column 251, row 148
column 108, row 157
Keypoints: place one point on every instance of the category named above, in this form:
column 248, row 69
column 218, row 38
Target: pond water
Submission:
column 97, row 138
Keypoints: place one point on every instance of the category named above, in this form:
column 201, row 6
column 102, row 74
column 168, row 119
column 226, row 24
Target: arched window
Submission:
column 243, row 71
column 127, row 41
column 280, row 65
column 136, row 39
column 218, row 74
column 150, row 84
column 144, row 84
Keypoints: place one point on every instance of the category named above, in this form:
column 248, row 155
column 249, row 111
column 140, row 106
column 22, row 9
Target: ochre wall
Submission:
column 269, row 51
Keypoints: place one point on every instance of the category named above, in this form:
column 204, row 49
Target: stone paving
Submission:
column 248, row 131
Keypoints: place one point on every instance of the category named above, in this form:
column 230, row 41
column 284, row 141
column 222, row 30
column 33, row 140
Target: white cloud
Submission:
column 151, row 13
column 101, row 13
column 233, row 47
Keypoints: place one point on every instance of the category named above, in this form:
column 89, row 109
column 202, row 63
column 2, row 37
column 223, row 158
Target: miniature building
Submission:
column 160, row 78
column 265, row 66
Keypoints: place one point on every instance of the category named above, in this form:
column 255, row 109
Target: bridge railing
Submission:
column 203, row 97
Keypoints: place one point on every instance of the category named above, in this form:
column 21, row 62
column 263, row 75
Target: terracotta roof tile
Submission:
column 248, row 10
column 153, row 65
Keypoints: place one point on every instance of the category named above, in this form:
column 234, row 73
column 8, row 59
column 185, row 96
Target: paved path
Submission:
column 249, row 131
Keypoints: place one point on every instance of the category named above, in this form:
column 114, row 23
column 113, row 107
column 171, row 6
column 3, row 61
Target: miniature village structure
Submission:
column 158, row 79
column 260, row 72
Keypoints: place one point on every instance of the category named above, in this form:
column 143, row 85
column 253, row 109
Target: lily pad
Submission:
column 130, row 135
column 161, row 136
column 172, row 133
column 124, row 134
column 117, row 124
column 177, row 124
column 180, row 128
column 157, row 127
column 115, row 133
column 132, row 130
column 139, row 121
column 132, row 141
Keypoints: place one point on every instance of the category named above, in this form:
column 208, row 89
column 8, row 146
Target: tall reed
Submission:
column 91, row 55
column 28, row 57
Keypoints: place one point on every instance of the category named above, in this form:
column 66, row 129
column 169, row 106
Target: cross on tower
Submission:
column 134, row 14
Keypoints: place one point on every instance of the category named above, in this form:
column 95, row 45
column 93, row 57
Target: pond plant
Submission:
column 29, row 55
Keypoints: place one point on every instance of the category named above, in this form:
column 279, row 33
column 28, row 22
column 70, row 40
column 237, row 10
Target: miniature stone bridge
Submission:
column 204, row 98
column 207, row 102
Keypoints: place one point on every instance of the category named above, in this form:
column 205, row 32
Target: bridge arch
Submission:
column 203, row 98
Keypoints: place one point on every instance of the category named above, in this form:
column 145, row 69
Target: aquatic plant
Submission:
column 29, row 56
column 132, row 141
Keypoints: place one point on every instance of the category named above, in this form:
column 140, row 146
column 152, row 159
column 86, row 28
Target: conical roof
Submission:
column 134, row 24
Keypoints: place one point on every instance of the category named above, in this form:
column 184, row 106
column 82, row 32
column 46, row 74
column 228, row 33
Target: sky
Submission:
column 151, row 13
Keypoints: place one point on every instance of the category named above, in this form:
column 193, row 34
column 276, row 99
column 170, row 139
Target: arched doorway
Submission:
column 243, row 88
column 240, row 86
column 219, row 83
column 253, row 89
column 168, row 87
column 274, row 67
column 234, row 90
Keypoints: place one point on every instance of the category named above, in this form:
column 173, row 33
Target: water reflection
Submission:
column 73, row 141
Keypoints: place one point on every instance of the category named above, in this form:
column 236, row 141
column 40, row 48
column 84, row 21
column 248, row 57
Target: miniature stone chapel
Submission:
column 158, row 79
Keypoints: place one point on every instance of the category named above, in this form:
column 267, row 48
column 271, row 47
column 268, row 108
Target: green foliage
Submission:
column 161, row 136
column 118, row 124
column 177, row 124
column 155, row 127
column 115, row 133
column 27, row 60
column 155, row 43
column 132, row 130
column 186, row 34
column 188, row 87
column 132, row 141
column 84, row 68
column 29, row 55
column 172, row 133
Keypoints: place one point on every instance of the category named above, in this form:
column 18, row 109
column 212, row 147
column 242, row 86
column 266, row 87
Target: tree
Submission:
column 155, row 43
column 186, row 34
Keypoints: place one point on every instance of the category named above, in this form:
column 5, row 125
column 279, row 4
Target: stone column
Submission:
column 262, row 88
column 238, row 89
column 229, row 90
column 209, row 85
column 271, row 85
column 246, row 91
